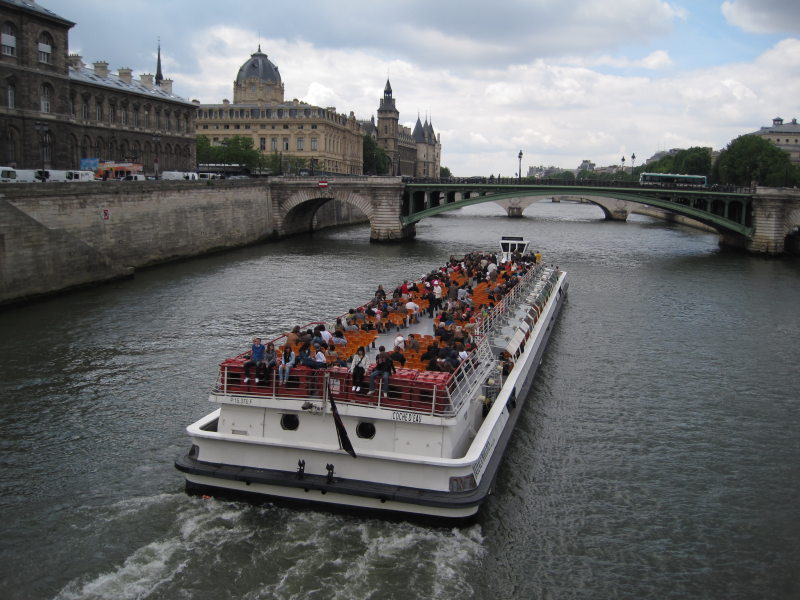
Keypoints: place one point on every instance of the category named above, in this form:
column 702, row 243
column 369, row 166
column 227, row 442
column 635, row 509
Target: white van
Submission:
column 80, row 176
column 179, row 175
column 209, row 176
column 135, row 177
column 8, row 175
column 27, row 176
column 50, row 175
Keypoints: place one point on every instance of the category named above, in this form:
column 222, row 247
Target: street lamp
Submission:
column 633, row 164
column 156, row 142
column 623, row 167
column 519, row 174
column 42, row 129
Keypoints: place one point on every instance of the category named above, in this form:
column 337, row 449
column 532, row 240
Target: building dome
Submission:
column 259, row 67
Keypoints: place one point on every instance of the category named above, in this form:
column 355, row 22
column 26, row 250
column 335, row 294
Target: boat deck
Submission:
column 411, row 387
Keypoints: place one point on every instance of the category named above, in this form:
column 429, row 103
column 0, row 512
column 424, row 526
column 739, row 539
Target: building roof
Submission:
column 260, row 67
column 113, row 82
column 36, row 8
column 778, row 126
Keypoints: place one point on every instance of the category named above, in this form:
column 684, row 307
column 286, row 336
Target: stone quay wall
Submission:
column 58, row 236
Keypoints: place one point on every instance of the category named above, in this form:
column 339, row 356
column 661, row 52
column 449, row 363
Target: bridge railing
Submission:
column 547, row 182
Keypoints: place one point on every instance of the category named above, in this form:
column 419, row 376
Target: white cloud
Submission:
column 763, row 16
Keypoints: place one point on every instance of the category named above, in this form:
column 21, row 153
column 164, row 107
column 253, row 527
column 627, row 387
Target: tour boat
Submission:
column 428, row 445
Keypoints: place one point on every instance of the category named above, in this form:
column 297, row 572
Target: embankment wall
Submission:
column 54, row 237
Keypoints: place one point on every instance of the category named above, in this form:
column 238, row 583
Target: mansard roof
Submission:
column 36, row 8
column 112, row 82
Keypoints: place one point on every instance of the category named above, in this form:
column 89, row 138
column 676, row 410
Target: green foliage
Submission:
column 568, row 175
column 445, row 173
column 750, row 158
column 376, row 162
column 692, row 161
column 237, row 150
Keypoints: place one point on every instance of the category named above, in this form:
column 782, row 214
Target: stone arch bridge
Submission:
column 759, row 219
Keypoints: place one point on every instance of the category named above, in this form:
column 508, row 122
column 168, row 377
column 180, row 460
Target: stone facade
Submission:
column 327, row 141
column 411, row 153
column 785, row 136
column 54, row 111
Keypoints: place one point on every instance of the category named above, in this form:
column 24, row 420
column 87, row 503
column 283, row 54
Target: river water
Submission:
column 658, row 455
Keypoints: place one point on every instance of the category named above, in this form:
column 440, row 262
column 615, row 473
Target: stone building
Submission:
column 414, row 153
column 785, row 136
column 324, row 139
column 54, row 111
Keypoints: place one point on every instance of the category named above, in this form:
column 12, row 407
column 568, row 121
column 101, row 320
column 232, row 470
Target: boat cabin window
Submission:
column 290, row 422
column 365, row 430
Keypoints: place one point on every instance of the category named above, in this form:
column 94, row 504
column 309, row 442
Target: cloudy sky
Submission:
column 563, row 82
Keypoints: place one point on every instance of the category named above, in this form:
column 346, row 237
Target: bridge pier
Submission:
column 776, row 213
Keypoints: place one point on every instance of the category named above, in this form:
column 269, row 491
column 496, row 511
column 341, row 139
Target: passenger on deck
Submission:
column 270, row 360
column 319, row 361
column 384, row 366
column 400, row 342
column 398, row 356
column 430, row 354
column 358, row 366
column 293, row 337
column 412, row 343
column 412, row 310
column 255, row 359
column 332, row 357
column 287, row 361
column 380, row 293
column 338, row 338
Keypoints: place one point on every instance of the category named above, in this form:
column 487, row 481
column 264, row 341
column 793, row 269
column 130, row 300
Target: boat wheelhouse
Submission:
column 427, row 444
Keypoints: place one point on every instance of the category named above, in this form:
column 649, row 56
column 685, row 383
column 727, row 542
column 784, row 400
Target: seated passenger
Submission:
column 286, row 363
column 255, row 359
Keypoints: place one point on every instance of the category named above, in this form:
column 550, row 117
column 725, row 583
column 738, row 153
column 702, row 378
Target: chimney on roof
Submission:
column 146, row 79
column 125, row 74
column 166, row 85
column 777, row 121
column 101, row 68
column 75, row 61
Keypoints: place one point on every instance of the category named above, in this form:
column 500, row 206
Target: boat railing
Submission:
column 509, row 301
column 428, row 392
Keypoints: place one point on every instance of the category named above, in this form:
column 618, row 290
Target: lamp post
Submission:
column 623, row 167
column 633, row 164
column 156, row 142
column 42, row 129
column 519, row 174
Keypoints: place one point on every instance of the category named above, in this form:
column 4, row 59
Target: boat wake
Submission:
column 266, row 551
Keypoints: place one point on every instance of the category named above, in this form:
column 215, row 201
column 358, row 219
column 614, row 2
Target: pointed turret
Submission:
column 159, row 76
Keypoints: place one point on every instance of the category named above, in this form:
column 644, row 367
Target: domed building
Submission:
column 305, row 137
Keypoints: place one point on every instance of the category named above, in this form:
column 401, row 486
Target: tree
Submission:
column 444, row 173
column 751, row 158
column 237, row 150
column 376, row 161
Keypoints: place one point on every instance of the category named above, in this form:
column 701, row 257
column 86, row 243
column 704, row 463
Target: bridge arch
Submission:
column 296, row 214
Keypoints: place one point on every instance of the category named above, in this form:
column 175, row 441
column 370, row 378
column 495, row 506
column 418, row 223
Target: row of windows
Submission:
column 44, row 47
column 169, row 156
column 247, row 126
column 269, row 113
column 141, row 118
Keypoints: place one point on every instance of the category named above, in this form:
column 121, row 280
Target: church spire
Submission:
column 159, row 76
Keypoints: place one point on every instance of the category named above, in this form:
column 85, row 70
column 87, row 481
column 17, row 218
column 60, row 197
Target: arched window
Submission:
column 9, row 39
column 46, row 97
column 45, row 48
